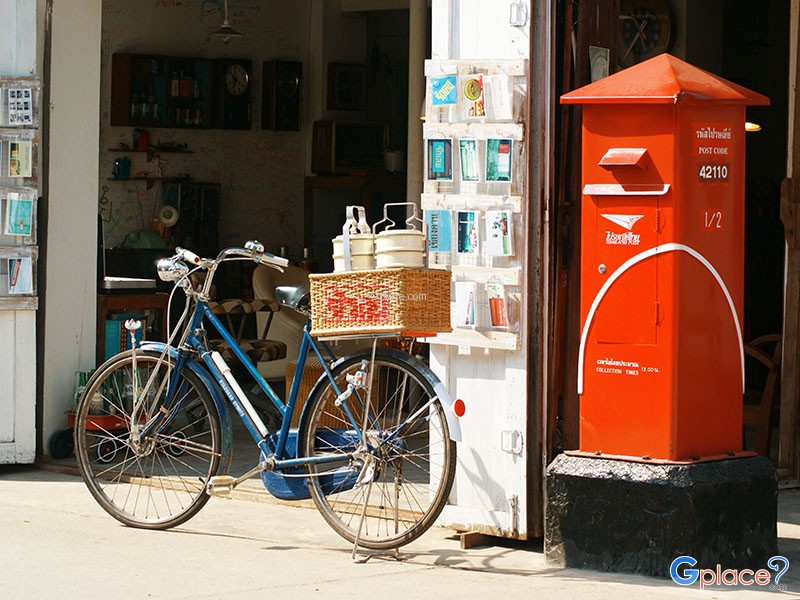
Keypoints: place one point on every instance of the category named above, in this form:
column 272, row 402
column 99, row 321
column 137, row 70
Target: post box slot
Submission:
column 624, row 157
column 623, row 189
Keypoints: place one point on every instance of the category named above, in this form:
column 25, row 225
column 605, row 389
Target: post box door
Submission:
column 625, row 226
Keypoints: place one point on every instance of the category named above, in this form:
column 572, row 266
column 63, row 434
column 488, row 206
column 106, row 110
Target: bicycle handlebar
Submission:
column 253, row 250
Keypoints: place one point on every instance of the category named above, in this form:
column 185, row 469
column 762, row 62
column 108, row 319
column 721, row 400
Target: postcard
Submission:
column 498, row 160
column 470, row 167
column 20, row 275
column 20, row 107
column 474, row 102
column 439, row 226
column 499, row 233
column 498, row 97
column 497, row 304
column 20, row 160
column 467, row 232
column 19, row 215
column 465, row 303
column 443, row 90
column 440, row 160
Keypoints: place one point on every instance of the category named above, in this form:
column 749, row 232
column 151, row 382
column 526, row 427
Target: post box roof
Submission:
column 663, row 79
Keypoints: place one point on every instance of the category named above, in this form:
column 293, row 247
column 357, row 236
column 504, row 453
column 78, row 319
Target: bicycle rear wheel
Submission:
column 399, row 479
column 157, row 482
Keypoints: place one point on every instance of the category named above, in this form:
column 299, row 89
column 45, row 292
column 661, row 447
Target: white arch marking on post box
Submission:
column 663, row 248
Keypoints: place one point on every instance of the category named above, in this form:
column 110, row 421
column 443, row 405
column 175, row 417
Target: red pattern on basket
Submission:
column 361, row 304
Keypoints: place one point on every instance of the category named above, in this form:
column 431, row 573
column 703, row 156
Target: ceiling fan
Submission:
column 225, row 31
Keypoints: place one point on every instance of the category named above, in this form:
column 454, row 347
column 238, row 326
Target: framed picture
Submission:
column 347, row 87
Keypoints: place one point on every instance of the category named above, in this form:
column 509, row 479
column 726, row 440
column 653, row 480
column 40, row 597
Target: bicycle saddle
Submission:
column 296, row 297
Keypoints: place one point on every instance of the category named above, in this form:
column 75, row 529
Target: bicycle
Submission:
column 375, row 446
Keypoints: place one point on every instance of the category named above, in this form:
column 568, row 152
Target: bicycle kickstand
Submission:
column 393, row 553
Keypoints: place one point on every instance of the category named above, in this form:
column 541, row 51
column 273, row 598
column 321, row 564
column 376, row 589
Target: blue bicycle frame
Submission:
column 220, row 372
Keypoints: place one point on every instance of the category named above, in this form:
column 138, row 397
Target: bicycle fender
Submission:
column 439, row 389
column 199, row 369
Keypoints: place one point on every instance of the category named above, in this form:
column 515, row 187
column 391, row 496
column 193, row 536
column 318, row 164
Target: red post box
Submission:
column 661, row 357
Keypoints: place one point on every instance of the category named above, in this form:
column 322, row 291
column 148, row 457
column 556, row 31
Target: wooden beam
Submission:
column 368, row 5
column 789, row 433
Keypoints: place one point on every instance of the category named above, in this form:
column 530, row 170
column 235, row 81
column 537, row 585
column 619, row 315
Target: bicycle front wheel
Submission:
column 396, row 472
column 154, row 481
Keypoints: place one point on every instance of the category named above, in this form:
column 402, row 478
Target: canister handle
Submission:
column 355, row 222
column 409, row 221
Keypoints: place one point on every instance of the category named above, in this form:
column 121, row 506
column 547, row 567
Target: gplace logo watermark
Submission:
column 682, row 572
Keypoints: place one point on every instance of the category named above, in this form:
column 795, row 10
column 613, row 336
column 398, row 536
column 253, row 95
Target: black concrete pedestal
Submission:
column 613, row 515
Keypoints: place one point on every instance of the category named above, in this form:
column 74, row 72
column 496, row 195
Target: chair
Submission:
column 759, row 405
column 284, row 324
column 258, row 349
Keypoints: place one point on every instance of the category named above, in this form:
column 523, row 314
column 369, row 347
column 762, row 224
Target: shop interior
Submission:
column 229, row 132
column 258, row 121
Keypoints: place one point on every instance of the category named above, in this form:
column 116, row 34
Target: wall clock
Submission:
column 236, row 91
column 644, row 30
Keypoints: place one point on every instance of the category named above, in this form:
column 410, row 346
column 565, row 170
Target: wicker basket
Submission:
column 409, row 301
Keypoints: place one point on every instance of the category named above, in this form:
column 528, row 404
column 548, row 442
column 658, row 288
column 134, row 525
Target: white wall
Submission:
column 69, row 328
column 17, row 24
column 490, row 479
column 477, row 29
column 17, row 327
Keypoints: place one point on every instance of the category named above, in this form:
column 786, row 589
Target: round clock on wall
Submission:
column 236, row 79
column 644, row 30
column 236, row 91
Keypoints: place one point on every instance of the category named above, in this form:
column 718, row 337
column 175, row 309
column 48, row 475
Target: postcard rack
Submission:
column 19, row 191
column 474, row 195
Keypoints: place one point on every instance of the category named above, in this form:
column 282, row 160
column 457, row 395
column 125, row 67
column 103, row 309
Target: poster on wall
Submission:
column 19, row 215
column 20, row 275
column 498, row 233
column 498, row 160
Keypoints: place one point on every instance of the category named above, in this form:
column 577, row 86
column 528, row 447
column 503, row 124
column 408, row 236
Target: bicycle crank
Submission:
column 223, row 485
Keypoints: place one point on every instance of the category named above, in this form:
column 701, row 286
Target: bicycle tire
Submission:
column 160, row 482
column 413, row 462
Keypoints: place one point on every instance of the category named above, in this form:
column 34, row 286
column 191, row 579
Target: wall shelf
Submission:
column 473, row 338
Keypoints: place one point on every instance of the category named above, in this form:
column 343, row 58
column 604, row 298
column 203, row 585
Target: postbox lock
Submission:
column 602, row 269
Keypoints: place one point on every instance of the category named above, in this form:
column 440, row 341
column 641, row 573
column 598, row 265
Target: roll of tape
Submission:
column 168, row 216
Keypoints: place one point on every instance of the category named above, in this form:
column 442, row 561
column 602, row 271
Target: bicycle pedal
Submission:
column 221, row 485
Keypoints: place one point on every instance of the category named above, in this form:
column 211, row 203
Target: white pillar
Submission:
column 417, row 34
